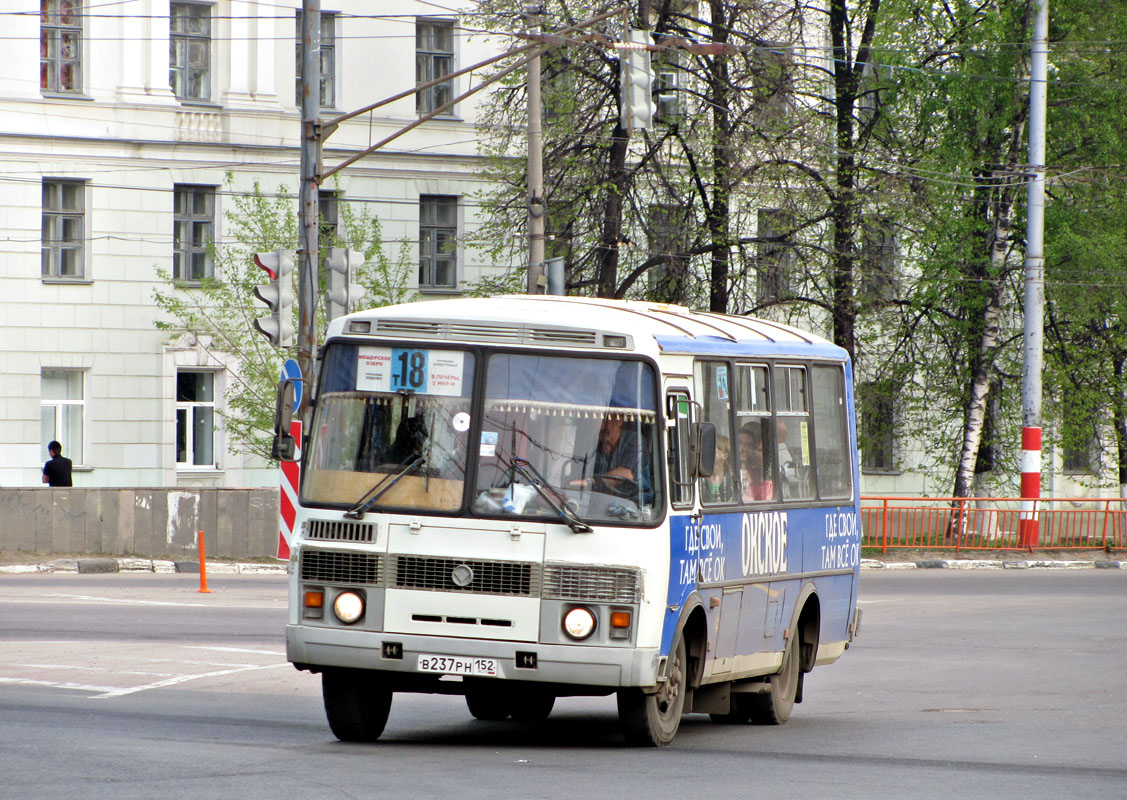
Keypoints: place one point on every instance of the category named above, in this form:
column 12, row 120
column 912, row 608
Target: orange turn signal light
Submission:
column 314, row 599
column 620, row 619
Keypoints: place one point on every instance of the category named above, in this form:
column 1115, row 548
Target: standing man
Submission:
column 56, row 472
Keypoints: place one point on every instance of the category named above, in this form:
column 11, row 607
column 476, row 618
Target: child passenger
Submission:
column 718, row 487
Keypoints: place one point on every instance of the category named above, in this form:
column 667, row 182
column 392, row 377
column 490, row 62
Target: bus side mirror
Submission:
column 706, row 449
column 284, row 446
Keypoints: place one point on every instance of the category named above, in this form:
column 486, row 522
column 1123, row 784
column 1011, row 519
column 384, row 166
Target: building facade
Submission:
column 121, row 148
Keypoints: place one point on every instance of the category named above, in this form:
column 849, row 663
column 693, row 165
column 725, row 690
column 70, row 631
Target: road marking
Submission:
column 106, row 670
column 183, row 679
column 56, row 684
column 235, row 650
column 125, row 601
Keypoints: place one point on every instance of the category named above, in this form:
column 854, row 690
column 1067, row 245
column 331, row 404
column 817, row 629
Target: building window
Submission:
column 668, row 234
column 772, row 83
column 189, row 51
column 434, row 57
column 60, row 45
column 63, row 235
column 328, row 59
column 775, row 255
column 877, row 427
column 878, row 261
column 193, row 229
column 438, row 242
column 1080, row 447
column 62, row 410
column 666, row 83
column 195, row 419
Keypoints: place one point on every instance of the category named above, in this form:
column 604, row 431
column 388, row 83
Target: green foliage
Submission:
column 217, row 314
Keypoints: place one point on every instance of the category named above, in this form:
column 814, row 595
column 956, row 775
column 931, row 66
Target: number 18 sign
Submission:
column 394, row 369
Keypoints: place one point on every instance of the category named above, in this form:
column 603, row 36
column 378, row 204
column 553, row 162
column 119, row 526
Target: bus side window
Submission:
column 834, row 465
column 678, row 412
column 793, row 428
column 755, row 443
column 714, row 389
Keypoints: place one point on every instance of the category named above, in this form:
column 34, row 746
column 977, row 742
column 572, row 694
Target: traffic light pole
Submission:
column 308, row 212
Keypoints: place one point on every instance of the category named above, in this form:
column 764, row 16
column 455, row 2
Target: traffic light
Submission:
column 636, row 105
column 278, row 296
column 340, row 292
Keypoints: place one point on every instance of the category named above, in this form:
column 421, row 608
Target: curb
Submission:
column 963, row 563
column 89, row 566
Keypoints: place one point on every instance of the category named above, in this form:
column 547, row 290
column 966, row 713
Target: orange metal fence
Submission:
column 991, row 523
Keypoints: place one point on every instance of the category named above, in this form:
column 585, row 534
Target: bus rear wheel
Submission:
column 773, row 707
column 357, row 704
column 652, row 720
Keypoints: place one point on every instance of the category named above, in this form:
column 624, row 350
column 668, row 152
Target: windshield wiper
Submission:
column 551, row 495
column 381, row 488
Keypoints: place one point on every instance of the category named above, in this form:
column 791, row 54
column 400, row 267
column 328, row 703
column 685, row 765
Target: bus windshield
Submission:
column 391, row 428
column 570, row 433
column 559, row 437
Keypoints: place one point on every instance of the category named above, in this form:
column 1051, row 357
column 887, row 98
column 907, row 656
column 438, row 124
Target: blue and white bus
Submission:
column 524, row 498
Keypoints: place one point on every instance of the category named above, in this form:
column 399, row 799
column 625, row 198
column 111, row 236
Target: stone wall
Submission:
column 238, row 523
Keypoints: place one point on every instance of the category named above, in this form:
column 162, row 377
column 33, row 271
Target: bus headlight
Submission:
column 349, row 607
column 579, row 623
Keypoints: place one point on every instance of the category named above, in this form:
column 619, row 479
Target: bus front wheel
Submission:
column 357, row 704
column 773, row 707
column 488, row 703
column 651, row 720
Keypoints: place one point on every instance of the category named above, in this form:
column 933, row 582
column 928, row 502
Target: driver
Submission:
column 618, row 454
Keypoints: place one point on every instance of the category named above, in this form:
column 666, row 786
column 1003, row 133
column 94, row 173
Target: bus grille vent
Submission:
column 409, row 327
column 329, row 566
column 488, row 577
column 563, row 336
column 497, row 333
column 328, row 530
column 609, row 584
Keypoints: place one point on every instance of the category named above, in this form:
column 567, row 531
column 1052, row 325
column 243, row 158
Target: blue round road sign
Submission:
column 292, row 371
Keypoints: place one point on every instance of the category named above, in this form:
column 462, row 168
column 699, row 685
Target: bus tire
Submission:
column 651, row 720
column 533, row 706
column 357, row 704
column 773, row 707
column 489, row 703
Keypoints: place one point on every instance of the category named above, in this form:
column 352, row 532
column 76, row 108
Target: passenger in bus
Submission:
column 755, row 468
column 718, row 487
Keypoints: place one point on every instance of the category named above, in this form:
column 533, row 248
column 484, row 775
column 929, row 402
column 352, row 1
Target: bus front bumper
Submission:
column 316, row 648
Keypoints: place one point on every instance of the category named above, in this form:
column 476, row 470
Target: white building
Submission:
column 114, row 146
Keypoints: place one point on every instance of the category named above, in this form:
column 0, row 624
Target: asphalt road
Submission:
column 999, row 684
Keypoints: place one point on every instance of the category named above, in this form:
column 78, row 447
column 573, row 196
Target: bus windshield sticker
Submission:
column 387, row 369
column 460, row 422
column 804, row 433
column 488, row 444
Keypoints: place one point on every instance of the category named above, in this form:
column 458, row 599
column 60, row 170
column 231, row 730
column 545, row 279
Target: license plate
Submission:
column 454, row 665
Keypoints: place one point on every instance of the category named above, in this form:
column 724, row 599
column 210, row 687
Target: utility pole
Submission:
column 537, row 210
column 1034, row 329
column 308, row 209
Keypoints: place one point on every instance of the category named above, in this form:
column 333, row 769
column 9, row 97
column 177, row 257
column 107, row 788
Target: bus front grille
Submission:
column 330, row 566
column 466, row 575
column 330, row 530
column 608, row 584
